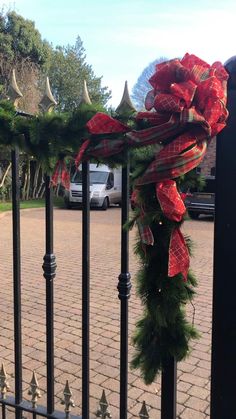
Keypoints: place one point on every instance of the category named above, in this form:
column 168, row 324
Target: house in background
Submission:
column 207, row 167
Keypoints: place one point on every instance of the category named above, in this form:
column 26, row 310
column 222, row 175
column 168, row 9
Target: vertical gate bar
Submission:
column 17, row 277
column 124, row 286
column 85, row 288
column 168, row 390
column 223, row 367
column 3, row 411
column 49, row 267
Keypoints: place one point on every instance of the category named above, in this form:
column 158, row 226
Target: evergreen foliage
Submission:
column 67, row 70
column 163, row 331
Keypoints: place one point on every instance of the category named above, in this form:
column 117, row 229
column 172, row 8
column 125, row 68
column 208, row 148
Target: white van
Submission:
column 105, row 187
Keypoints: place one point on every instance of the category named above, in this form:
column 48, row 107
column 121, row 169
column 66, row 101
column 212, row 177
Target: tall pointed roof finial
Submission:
column 47, row 102
column 125, row 106
column 85, row 96
column 14, row 93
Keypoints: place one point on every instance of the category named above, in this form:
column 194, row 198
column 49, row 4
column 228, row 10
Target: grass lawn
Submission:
column 33, row 203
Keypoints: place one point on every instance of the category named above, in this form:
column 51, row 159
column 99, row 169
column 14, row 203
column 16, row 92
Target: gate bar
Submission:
column 49, row 267
column 168, row 390
column 40, row 411
column 124, row 286
column 85, row 287
column 17, row 277
column 223, row 369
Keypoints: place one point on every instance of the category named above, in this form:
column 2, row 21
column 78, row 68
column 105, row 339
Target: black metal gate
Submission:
column 224, row 326
column 49, row 268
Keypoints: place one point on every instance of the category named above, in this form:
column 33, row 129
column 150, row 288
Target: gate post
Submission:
column 223, row 403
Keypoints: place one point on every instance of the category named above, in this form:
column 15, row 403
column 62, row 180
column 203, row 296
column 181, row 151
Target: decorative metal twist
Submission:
column 49, row 266
column 103, row 412
column 67, row 401
column 4, row 386
column 34, row 391
column 143, row 414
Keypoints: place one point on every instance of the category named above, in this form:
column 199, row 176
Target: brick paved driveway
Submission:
column 193, row 374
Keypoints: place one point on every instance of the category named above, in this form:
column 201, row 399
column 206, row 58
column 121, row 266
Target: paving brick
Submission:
column 199, row 392
column 193, row 379
column 196, row 404
column 191, row 414
column 193, row 383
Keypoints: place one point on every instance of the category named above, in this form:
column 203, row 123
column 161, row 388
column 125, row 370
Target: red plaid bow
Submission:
column 185, row 109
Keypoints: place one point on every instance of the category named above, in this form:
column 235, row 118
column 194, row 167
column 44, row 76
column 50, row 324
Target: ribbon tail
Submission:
column 170, row 200
column 178, row 255
column 81, row 152
column 65, row 176
column 145, row 233
column 56, row 174
column 61, row 175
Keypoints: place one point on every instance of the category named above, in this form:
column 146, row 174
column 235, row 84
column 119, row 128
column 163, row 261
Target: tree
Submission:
column 67, row 70
column 142, row 86
column 22, row 48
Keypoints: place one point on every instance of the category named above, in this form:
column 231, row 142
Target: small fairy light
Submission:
column 160, row 223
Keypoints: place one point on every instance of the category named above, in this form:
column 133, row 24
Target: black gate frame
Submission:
column 224, row 317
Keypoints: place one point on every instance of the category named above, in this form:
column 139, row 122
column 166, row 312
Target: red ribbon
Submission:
column 178, row 255
column 81, row 152
column 185, row 109
column 61, row 175
column 170, row 200
column 173, row 208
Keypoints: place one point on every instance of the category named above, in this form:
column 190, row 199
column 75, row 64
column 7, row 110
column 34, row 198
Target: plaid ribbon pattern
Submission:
column 178, row 255
column 61, row 175
column 101, row 123
column 80, row 155
column 191, row 95
column 185, row 108
column 144, row 230
column 170, row 200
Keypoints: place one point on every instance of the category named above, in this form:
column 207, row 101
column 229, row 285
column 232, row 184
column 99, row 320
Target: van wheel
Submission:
column 105, row 204
column 194, row 215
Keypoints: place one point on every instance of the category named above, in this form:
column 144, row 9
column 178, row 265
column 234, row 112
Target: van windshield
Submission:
column 95, row 177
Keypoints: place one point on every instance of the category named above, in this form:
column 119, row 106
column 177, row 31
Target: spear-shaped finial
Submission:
column 67, row 401
column 103, row 412
column 125, row 106
column 143, row 414
column 47, row 102
column 4, row 386
column 85, row 96
column 34, row 391
column 13, row 92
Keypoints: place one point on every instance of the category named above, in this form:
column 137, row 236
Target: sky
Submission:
column 121, row 37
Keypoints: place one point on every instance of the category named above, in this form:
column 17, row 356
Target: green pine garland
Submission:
column 46, row 137
column 163, row 331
